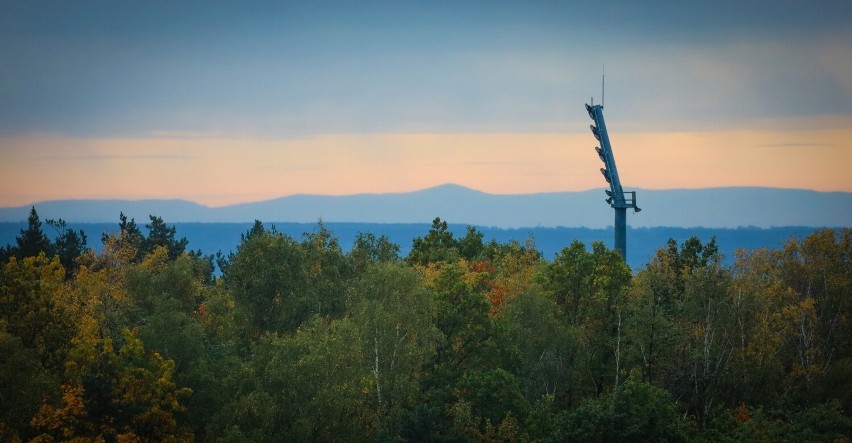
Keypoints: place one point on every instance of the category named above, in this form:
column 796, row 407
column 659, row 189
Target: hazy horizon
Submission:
column 428, row 188
column 709, row 207
column 233, row 103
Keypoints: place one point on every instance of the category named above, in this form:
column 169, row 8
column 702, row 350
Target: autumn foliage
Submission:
column 462, row 340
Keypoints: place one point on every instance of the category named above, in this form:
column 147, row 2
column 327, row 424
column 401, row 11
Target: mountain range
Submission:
column 711, row 208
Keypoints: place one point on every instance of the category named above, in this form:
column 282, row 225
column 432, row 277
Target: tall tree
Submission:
column 24, row 381
column 470, row 246
column 69, row 245
column 710, row 326
column 371, row 249
column 167, row 295
column 160, row 234
column 819, row 271
column 124, row 394
column 310, row 385
column 269, row 284
column 652, row 328
column 28, row 293
column 474, row 346
column 32, row 240
column 437, row 246
column 395, row 314
column 658, row 298
column 762, row 332
column 34, row 337
column 589, row 289
column 328, row 269
column 683, row 325
column 129, row 238
column 546, row 346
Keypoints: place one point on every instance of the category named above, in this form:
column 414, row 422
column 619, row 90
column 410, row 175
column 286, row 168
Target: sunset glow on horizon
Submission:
column 217, row 172
column 232, row 104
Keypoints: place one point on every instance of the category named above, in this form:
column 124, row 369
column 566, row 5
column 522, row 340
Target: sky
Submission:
column 228, row 102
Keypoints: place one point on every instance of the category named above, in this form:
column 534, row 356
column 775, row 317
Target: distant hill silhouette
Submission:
column 712, row 208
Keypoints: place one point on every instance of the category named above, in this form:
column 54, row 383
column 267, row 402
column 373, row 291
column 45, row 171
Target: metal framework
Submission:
column 617, row 198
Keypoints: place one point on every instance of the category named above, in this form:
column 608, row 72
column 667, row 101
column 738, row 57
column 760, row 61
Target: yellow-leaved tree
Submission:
column 115, row 395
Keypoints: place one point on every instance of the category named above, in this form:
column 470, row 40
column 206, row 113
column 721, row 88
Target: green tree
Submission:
column 311, row 385
column 69, row 245
column 709, row 323
column 633, row 412
column 160, row 234
column 546, row 346
column 589, row 290
column 257, row 229
column 652, row 329
column 329, row 272
column 488, row 402
column 32, row 240
column 129, row 238
column 278, row 283
column 763, row 333
column 818, row 269
column 395, row 314
column 167, row 294
column 269, row 283
column 28, row 294
column 24, row 381
column 472, row 341
column 371, row 249
column 470, row 246
column 683, row 324
column 463, row 317
column 159, row 279
column 657, row 302
column 437, row 246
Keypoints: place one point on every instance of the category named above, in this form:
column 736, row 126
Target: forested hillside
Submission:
column 461, row 339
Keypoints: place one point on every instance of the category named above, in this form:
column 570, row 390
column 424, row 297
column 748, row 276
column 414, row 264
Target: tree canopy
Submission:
column 300, row 339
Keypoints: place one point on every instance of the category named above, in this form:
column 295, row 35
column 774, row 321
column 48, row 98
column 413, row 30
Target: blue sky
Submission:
column 76, row 75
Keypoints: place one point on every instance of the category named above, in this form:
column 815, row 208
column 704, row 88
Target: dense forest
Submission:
column 460, row 340
column 642, row 242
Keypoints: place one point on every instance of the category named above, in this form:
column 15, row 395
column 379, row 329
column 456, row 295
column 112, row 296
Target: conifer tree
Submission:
column 33, row 240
